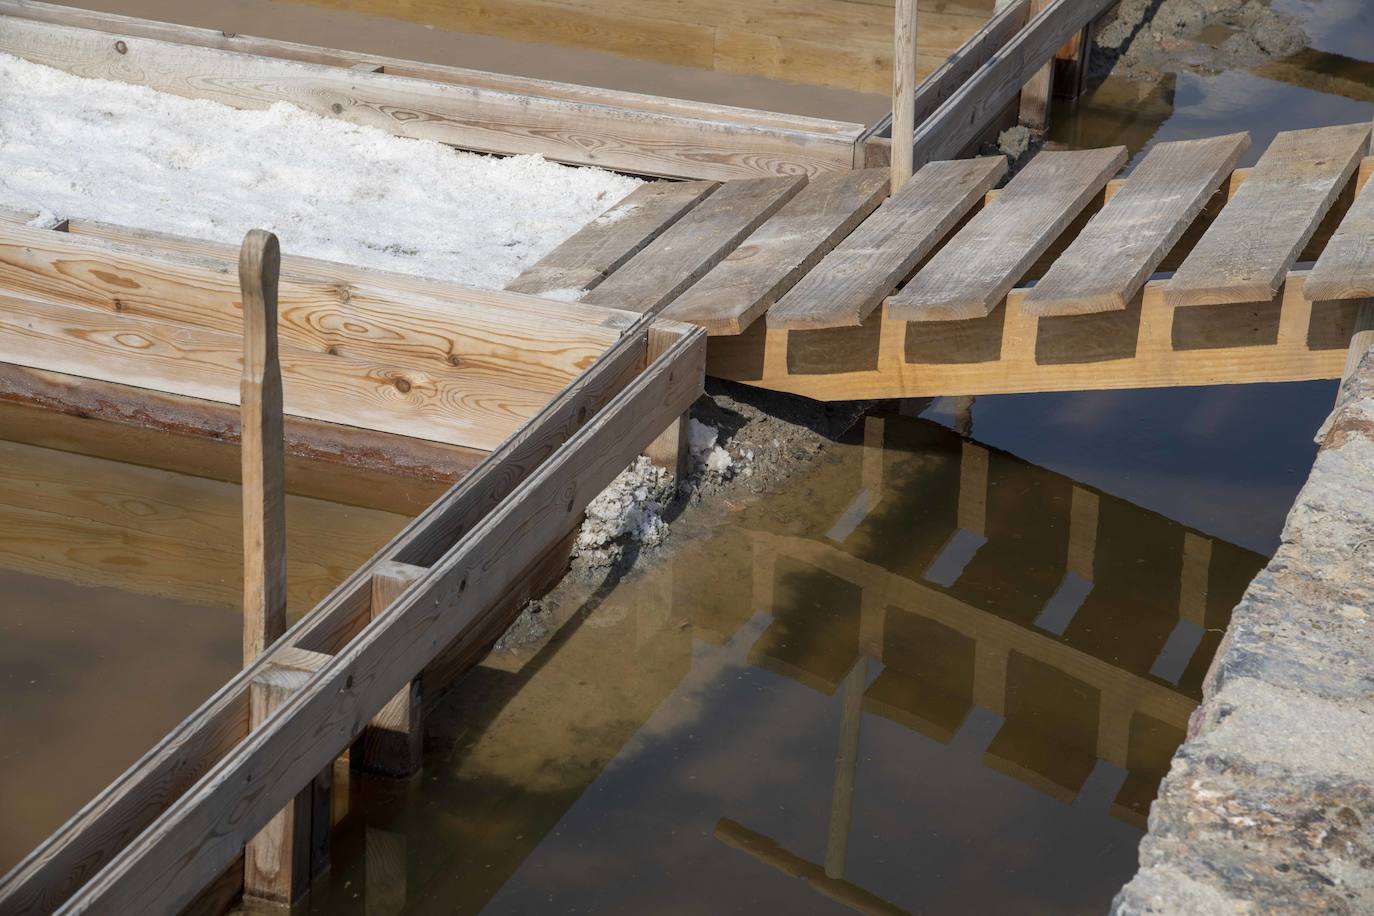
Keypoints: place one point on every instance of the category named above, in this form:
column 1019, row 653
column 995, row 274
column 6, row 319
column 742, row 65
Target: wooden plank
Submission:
column 574, row 130
column 218, row 815
column 851, row 280
column 694, row 244
column 903, row 92
column 1345, row 269
column 969, row 110
column 1250, row 247
column 984, row 261
column 607, row 242
column 768, row 263
column 262, row 454
column 1111, row 259
column 51, row 873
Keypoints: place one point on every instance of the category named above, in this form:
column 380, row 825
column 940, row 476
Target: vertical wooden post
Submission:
column 903, row 93
column 669, row 450
column 260, row 397
column 1035, row 95
column 393, row 741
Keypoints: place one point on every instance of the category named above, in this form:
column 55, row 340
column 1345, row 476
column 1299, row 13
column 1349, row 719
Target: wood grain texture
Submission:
column 1249, row 248
column 669, row 264
column 607, row 242
column 1345, row 269
column 972, row 107
column 1126, row 241
column 985, row 259
column 576, row 131
column 903, row 92
column 1146, row 358
column 261, row 453
column 780, row 252
column 852, row 279
column 264, row 771
column 94, row 836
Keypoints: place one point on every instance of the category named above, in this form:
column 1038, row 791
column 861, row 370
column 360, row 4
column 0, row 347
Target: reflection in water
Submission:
column 122, row 588
column 925, row 676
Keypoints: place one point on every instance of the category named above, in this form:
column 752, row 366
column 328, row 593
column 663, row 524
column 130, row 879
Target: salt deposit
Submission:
column 103, row 150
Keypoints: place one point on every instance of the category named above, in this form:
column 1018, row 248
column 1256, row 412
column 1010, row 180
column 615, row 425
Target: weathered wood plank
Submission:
column 80, row 848
column 984, row 261
column 580, row 130
column 853, row 278
column 1126, row 241
column 608, row 241
column 1250, row 247
column 1345, row 269
column 971, row 108
column 694, row 244
column 227, row 806
column 780, row 252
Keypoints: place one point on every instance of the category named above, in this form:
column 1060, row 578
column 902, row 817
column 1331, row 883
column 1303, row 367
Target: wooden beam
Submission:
column 471, row 110
column 903, row 92
column 971, row 108
column 264, row 489
column 217, row 816
column 94, row 836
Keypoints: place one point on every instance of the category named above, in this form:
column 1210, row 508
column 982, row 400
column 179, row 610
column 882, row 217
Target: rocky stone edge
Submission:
column 1269, row 804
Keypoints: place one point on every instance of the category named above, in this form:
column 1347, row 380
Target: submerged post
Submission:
column 903, row 93
column 260, row 399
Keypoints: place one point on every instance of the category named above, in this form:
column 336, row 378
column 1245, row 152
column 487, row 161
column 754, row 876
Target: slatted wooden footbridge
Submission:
column 1189, row 271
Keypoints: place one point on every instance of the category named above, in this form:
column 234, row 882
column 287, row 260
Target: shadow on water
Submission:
column 926, row 676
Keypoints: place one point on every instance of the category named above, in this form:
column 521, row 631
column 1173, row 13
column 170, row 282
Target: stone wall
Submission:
column 1269, row 805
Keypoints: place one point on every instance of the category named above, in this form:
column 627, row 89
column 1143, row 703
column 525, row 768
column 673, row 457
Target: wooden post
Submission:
column 260, row 398
column 903, row 93
column 670, row 450
column 393, row 741
column 1035, row 95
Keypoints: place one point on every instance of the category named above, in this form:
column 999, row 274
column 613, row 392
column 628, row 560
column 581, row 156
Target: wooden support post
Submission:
column 1035, row 95
column 279, row 863
column 260, row 399
column 670, row 450
column 903, row 93
column 1360, row 342
column 393, row 742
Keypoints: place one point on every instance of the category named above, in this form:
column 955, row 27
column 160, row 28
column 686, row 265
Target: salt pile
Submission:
column 109, row 151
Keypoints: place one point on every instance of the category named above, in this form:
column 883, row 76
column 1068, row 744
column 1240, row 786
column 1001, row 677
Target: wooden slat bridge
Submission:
column 1188, row 271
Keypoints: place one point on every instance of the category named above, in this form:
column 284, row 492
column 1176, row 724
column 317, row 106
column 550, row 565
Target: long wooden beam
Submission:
column 205, row 830
column 464, row 108
column 91, row 839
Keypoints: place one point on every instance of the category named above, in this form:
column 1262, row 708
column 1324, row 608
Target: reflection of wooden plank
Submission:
column 768, row 263
column 590, row 254
column 981, row 264
column 850, row 281
column 1112, row 258
column 694, row 244
column 1250, row 247
column 1345, row 269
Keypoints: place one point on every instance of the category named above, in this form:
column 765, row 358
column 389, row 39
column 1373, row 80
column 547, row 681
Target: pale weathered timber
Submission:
column 972, row 107
column 903, row 92
column 1258, row 237
column 780, row 252
column 75, row 852
column 853, row 278
column 585, row 131
column 218, row 815
column 1035, row 95
column 394, row 739
column 1126, row 241
column 1148, row 346
column 608, row 241
column 694, row 244
column 985, row 259
column 261, row 453
column 1345, row 269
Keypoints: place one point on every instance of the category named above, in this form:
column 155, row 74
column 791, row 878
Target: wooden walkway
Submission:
column 1188, row 271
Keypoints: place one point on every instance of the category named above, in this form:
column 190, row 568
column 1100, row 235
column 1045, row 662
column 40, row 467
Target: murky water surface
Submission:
column 939, row 671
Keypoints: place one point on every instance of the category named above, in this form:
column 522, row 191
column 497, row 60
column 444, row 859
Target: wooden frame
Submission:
column 478, row 545
column 466, row 108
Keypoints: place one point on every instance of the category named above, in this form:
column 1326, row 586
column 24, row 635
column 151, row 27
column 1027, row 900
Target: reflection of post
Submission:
column 260, row 397
column 973, row 488
column 384, row 885
column 1082, row 533
column 1197, row 564
column 874, row 429
column 990, row 674
column 846, row 767
column 1114, row 727
column 765, row 558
